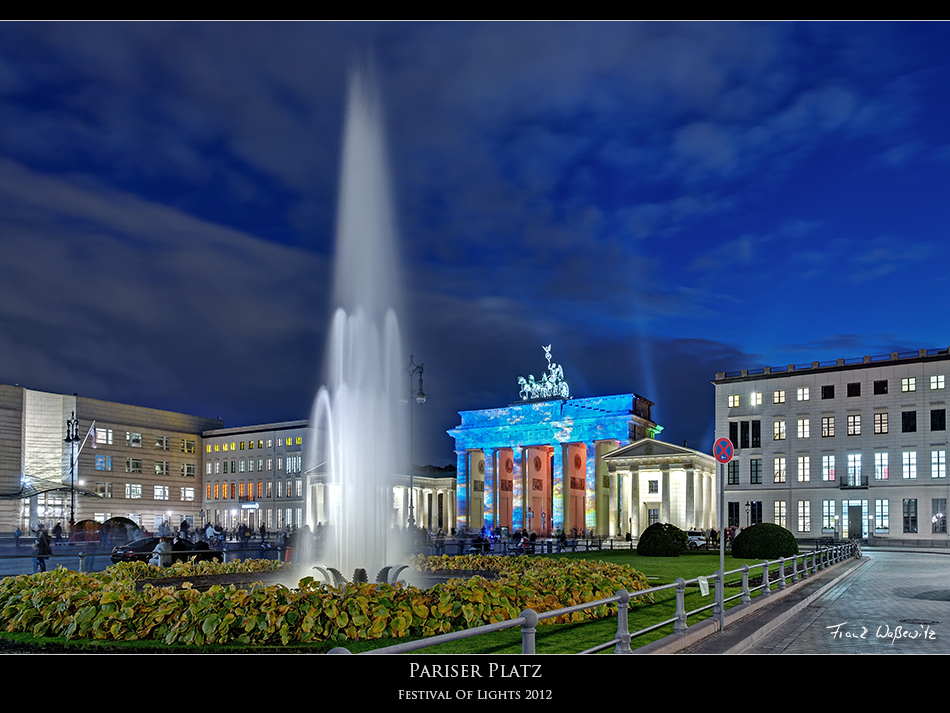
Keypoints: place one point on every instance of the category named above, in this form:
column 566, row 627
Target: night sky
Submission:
column 659, row 202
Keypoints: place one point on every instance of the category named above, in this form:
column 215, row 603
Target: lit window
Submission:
column 103, row 462
column 882, row 516
column 133, row 465
column 828, row 468
column 161, row 467
column 880, row 423
column 299, row 439
column 909, row 383
column 936, row 382
column 780, row 513
column 803, row 394
column 778, row 430
column 160, row 492
column 217, row 447
column 241, row 446
column 188, row 470
column 778, row 397
column 804, row 516
column 828, row 515
column 133, row 440
column 910, row 464
column 827, row 426
column 778, row 469
column 804, row 469
column 755, row 398
column 804, row 430
column 880, row 466
column 133, row 491
column 939, row 518
column 161, row 443
column 938, row 464
column 104, row 489
column 188, row 494
column 854, row 425
column 187, row 445
column 854, row 468
column 104, row 436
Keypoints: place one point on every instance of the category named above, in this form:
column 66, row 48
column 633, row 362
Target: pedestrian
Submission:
column 41, row 550
column 16, row 537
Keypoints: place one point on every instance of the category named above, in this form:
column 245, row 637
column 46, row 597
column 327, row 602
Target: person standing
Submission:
column 42, row 550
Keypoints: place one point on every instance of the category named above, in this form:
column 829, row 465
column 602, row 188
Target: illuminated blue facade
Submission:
column 538, row 465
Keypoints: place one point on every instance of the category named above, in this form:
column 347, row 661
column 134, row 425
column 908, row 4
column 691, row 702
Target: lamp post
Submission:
column 419, row 397
column 72, row 437
column 747, row 506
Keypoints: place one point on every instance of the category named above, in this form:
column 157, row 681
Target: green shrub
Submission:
column 764, row 541
column 662, row 540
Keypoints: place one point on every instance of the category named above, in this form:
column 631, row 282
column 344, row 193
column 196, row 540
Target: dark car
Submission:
column 182, row 550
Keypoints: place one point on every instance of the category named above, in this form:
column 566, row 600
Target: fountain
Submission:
column 358, row 435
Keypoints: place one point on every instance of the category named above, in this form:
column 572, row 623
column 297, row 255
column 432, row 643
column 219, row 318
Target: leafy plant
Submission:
column 662, row 540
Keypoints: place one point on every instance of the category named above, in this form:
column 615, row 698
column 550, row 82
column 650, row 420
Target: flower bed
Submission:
column 108, row 606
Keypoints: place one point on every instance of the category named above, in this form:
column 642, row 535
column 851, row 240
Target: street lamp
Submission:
column 747, row 506
column 72, row 437
column 420, row 398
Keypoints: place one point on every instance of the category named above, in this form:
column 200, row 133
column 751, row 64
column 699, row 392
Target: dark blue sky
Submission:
column 657, row 201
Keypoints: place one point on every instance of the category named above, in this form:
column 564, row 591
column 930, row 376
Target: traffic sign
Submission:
column 722, row 450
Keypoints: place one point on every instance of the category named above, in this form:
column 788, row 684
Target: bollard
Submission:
column 746, row 594
column 623, row 629
column 528, row 631
column 718, row 602
column 781, row 573
column 794, row 569
column 679, row 626
column 766, row 589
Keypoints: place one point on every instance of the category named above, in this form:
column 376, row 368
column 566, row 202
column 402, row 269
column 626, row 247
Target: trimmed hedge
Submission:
column 662, row 540
column 764, row 541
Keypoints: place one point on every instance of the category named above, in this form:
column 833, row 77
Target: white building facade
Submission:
column 847, row 448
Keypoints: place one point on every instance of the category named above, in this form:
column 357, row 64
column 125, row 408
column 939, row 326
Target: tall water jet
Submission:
column 358, row 434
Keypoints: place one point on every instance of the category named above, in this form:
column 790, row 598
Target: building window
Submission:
column 828, row 468
column 755, row 512
column 804, row 516
column 778, row 469
column 733, row 469
column 828, row 517
column 104, row 489
column 734, row 434
column 803, row 393
column 880, row 387
column 103, row 436
column 133, row 440
column 755, row 471
column 910, row 515
column 909, row 383
column 828, row 392
column 188, row 470
column 938, row 464
column 936, row 382
column 909, row 459
column 133, row 465
column 733, row 400
column 161, row 443
column 804, row 469
column 653, row 515
column 133, row 491
column 780, row 513
column 854, row 425
column 938, row 419
column 653, row 486
column 908, row 422
column 827, row 426
column 756, row 434
column 854, row 389
column 778, row 397
column 880, row 466
column 804, row 429
column 938, row 508
column 103, row 462
column 161, row 467
column 778, row 430
column 880, row 422
column 188, row 445
column 733, row 514
column 160, row 492
column 188, row 494
column 755, row 398
column 854, row 469
column 882, row 516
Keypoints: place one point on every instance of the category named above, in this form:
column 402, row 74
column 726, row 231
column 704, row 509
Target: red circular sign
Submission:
column 722, row 450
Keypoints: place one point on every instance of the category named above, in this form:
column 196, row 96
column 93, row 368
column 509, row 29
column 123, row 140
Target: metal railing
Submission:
column 811, row 563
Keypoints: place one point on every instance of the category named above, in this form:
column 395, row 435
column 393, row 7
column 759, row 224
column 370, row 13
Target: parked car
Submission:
column 182, row 550
column 696, row 538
